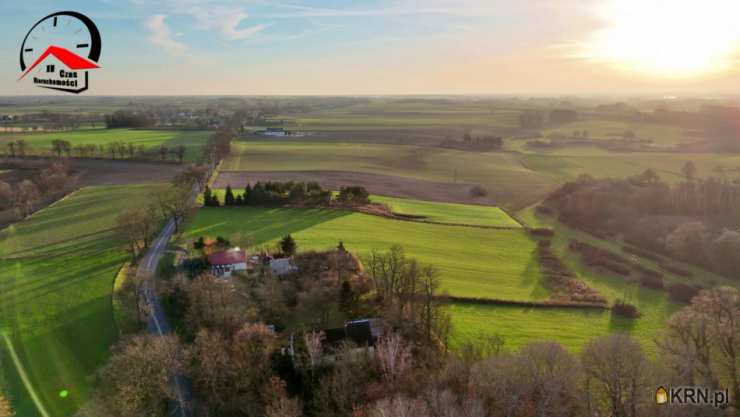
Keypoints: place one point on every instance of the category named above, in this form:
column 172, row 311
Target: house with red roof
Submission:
column 224, row 263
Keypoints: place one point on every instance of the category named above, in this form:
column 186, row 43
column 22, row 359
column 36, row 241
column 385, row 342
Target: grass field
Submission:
column 463, row 214
column 575, row 327
column 192, row 139
column 382, row 114
column 472, row 262
column 568, row 164
column 500, row 173
column 56, row 276
column 448, row 212
column 607, row 129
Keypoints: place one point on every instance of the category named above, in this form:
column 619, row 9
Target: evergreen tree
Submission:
column 214, row 201
column 229, row 198
column 207, row 197
column 239, row 201
column 288, row 245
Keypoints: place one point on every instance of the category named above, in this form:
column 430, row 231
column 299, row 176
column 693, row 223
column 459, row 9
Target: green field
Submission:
column 567, row 164
column 56, row 277
column 192, row 139
column 431, row 211
column 387, row 114
column 571, row 327
column 472, row 261
column 606, row 129
column 500, row 173
column 448, row 212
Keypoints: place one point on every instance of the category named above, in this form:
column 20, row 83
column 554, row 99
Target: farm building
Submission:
column 362, row 333
column 282, row 266
column 223, row 263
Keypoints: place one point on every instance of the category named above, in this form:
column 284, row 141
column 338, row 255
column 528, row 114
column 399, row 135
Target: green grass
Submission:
column 501, row 174
column 449, row 212
column 573, row 327
column 56, row 276
column 432, row 211
column 607, row 129
column 472, row 262
column 192, row 139
column 568, row 164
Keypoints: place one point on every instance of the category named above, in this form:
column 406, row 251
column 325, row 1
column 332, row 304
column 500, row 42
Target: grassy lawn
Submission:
column 56, row 277
column 472, row 262
column 192, row 139
column 502, row 174
column 449, row 212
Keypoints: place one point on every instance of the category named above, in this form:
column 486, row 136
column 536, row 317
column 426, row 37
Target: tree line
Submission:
column 112, row 150
column 272, row 193
column 50, row 183
column 695, row 220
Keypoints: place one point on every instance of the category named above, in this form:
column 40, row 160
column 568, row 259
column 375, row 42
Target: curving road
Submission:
column 157, row 322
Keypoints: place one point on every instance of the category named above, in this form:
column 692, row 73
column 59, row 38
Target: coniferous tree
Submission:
column 229, row 197
column 288, row 245
column 207, row 197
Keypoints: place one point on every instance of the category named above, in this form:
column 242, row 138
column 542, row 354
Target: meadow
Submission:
column 464, row 214
column 567, row 164
column 56, row 277
column 193, row 140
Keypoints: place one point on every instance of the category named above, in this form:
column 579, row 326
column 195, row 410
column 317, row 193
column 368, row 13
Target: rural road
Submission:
column 157, row 322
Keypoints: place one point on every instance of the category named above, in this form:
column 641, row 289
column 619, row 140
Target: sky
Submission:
column 400, row 47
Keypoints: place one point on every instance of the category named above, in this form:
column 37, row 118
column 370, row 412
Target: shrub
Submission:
column 541, row 231
column 625, row 309
column 682, row 292
column 477, row 191
column 651, row 281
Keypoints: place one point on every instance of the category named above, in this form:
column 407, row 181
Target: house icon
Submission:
column 64, row 70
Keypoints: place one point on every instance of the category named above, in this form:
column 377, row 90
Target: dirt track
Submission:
column 375, row 183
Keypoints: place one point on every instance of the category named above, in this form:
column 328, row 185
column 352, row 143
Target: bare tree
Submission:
column 615, row 367
column 6, row 195
column 399, row 406
column 394, row 357
column 26, row 195
column 175, row 203
column 721, row 307
column 136, row 380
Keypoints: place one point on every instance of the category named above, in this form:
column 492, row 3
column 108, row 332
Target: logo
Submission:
column 692, row 396
column 59, row 51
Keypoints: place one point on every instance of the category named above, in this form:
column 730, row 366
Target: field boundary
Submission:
column 515, row 303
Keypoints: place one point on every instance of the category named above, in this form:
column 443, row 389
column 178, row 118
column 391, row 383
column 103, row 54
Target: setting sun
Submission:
column 676, row 38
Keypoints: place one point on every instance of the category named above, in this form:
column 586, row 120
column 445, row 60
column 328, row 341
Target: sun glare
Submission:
column 668, row 38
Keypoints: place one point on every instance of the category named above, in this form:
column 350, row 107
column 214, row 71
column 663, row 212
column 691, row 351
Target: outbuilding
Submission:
column 223, row 263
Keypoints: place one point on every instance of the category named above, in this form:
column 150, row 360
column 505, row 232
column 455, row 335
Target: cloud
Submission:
column 161, row 35
column 225, row 20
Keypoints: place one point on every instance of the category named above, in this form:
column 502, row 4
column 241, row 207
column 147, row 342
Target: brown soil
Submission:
column 375, row 183
column 92, row 171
